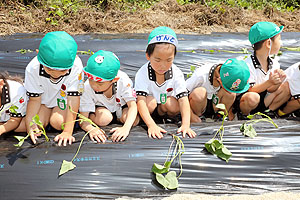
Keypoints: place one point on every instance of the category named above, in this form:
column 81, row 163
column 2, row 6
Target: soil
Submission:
column 186, row 19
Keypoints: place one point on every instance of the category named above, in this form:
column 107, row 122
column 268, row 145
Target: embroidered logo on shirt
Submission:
column 235, row 84
column 118, row 100
column 21, row 100
column 163, row 98
column 169, row 89
column 134, row 93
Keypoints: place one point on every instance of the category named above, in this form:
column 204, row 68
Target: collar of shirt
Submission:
column 114, row 89
column 211, row 74
column 152, row 76
column 257, row 65
column 43, row 73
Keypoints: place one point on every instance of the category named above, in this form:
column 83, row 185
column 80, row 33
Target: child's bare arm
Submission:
column 154, row 131
column 10, row 125
column 185, row 115
column 66, row 135
column 33, row 107
column 120, row 133
column 273, row 81
column 95, row 133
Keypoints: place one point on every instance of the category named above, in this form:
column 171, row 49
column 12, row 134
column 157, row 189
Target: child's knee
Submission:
column 252, row 99
column 198, row 95
column 103, row 119
column 56, row 121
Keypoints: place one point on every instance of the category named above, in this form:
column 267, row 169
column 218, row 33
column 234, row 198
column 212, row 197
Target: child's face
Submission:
column 55, row 73
column 162, row 58
column 276, row 43
column 100, row 86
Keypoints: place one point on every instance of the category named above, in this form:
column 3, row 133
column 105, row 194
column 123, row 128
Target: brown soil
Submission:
column 188, row 19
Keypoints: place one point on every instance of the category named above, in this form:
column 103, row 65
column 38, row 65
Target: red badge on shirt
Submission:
column 21, row 100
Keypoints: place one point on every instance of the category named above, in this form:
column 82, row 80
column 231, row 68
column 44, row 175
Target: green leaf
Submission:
column 224, row 154
column 250, row 116
column 250, row 131
column 221, row 112
column 159, row 169
column 193, row 68
column 162, row 180
column 172, row 179
column 221, row 106
column 19, row 138
column 13, row 109
column 36, row 119
column 209, row 147
column 168, row 164
column 65, row 167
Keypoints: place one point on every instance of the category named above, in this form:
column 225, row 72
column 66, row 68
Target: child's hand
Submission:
column 34, row 133
column 98, row 135
column 119, row 133
column 282, row 74
column 64, row 137
column 274, row 78
column 155, row 132
column 186, row 130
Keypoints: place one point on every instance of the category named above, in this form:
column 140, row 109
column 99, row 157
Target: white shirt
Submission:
column 123, row 92
column 13, row 95
column 38, row 83
column 257, row 74
column 174, row 85
column 202, row 77
column 293, row 77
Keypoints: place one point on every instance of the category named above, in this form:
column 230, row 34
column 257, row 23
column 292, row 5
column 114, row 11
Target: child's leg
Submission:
column 291, row 106
column 58, row 117
column 249, row 102
column 198, row 103
column 22, row 126
column 102, row 116
column 227, row 98
column 171, row 107
column 124, row 117
column 278, row 98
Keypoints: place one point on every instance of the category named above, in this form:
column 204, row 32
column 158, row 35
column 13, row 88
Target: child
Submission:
column 13, row 104
column 160, row 84
column 54, row 82
column 108, row 90
column 289, row 92
column 265, row 73
column 213, row 84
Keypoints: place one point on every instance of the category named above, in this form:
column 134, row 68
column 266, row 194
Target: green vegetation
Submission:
column 247, row 128
column 163, row 175
column 215, row 145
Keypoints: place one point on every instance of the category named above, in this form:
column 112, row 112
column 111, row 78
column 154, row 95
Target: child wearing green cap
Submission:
column 54, row 82
column 108, row 94
column 265, row 74
column 13, row 104
column 213, row 84
column 160, row 84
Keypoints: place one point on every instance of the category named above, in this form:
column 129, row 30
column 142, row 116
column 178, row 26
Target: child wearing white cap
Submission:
column 13, row 104
column 265, row 74
column 108, row 94
column 160, row 84
column 54, row 82
column 214, row 84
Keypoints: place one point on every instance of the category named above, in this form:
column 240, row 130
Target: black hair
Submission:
column 5, row 76
column 259, row 44
column 150, row 48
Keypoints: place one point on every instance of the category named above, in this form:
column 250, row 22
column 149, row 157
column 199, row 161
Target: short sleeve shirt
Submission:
column 174, row 85
column 13, row 94
column 202, row 77
column 293, row 77
column 123, row 92
column 257, row 74
column 38, row 83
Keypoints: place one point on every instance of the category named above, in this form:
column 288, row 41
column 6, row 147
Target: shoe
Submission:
column 272, row 114
column 241, row 116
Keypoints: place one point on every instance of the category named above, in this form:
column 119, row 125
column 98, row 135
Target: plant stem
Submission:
column 170, row 148
column 81, row 143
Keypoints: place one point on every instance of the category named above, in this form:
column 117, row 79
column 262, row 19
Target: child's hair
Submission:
column 150, row 48
column 259, row 44
column 6, row 76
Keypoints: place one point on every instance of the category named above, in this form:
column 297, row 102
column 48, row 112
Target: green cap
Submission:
column 163, row 34
column 262, row 31
column 234, row 75
column 57, row 50
column 102, row 66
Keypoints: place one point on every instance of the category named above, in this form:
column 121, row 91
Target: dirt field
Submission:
column 188, row 19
